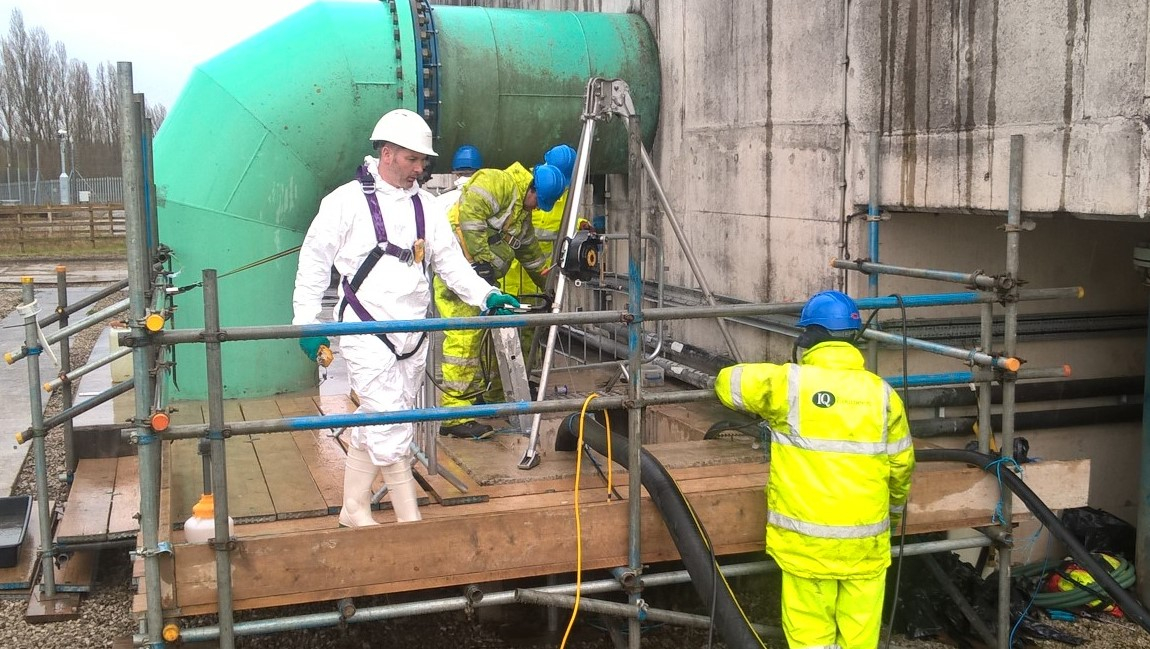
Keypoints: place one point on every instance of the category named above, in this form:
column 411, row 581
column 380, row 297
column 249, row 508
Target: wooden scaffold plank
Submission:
column 89, row 503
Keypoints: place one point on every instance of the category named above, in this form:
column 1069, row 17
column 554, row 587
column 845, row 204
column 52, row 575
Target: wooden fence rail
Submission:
column 27, row 226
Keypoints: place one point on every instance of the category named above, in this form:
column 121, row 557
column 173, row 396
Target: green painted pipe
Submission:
column 264, row 130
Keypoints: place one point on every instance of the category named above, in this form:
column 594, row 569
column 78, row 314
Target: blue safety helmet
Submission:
column 563, row 157
column 549, row 183
column 831, row 310
column 466, row 158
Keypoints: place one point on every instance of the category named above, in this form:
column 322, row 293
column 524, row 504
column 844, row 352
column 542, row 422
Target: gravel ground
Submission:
column 106, row 611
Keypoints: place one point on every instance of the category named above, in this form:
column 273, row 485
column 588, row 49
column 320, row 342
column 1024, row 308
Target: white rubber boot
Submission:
column 358, row 474
column 401, row 486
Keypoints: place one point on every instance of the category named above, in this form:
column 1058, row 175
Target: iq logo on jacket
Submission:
column 823, row 399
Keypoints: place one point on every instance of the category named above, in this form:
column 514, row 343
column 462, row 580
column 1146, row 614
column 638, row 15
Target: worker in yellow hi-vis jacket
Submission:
column 841, row 463
column 546, row 223
column 492, row 221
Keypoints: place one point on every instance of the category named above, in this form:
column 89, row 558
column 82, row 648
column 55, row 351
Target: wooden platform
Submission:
column 508, row 524
column 286, row 487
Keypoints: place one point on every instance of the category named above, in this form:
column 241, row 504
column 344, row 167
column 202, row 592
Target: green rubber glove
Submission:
column 499, row 303
column 311, row 344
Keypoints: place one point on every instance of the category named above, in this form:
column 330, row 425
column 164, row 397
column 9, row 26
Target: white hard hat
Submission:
column 405, row 128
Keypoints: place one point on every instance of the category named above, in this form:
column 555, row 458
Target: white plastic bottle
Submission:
column 201, row 527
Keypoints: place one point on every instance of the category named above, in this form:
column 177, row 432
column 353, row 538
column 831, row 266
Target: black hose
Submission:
column 686, row 530
column 1030, row 420
column 1101, row 574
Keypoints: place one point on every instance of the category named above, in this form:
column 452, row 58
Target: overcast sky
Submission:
column 163, row 39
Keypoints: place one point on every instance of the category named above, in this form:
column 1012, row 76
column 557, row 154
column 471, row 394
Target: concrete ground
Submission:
column 84, row 278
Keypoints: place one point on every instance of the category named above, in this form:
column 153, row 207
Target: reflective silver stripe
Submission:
column 535, row 263
column 794, row 380
column 737, row 387
column 486, row 196
column 898, row 447
column 500, row 265
column 546, row 235
column 898, row 509
column 829, row 445
column 460, row 361
column 458, row 387
column 473, row 226
column 828, row 531
column 497, row 220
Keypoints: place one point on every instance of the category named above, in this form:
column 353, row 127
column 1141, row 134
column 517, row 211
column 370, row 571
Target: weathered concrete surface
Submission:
column 947, row 88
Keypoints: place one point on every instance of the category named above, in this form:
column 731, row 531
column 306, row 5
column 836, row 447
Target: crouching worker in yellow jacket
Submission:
column 492, row 221
column 841, row 461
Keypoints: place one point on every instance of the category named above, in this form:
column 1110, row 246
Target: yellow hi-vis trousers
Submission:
column 462, row 374
column 832, row 613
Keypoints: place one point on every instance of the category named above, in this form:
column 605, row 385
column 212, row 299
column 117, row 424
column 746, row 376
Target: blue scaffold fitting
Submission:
column 33, row 351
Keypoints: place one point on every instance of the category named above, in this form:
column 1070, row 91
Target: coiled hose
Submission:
column 1080, row 594
column 1100, row 572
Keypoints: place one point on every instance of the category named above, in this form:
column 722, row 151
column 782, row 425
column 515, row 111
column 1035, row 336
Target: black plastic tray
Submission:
column 14, row 513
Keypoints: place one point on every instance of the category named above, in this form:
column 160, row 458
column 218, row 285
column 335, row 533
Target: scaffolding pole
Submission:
column 138, row 278
column 1009, row 344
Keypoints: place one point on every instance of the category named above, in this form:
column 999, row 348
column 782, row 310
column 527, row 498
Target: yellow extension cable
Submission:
column 578, row 524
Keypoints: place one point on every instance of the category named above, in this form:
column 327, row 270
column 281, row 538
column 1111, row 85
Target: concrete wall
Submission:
column 948, row 83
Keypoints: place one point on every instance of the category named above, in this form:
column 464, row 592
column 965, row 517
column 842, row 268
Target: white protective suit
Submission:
column 342, row 234
column 451, row 196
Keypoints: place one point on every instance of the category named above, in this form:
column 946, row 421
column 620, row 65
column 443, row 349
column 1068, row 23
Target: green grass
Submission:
column 63, row 249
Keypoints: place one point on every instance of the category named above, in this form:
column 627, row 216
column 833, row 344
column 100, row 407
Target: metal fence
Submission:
column 47, row 192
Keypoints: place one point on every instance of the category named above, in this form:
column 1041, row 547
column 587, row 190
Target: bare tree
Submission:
column 82, row 113
column 42, row 91
column 157, row 113
column 108, row 125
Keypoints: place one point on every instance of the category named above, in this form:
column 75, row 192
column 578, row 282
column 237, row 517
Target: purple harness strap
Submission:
column 383, row 247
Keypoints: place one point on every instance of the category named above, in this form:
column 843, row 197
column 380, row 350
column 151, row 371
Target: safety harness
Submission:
column 409, row 256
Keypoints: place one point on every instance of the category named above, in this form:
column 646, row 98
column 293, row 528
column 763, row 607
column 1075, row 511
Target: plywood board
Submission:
column 285, row 470
column 248, row 497
column 78, row 572
column 444, row 492
column 186, row 484
column 61, row 608
column 325, row 460
column 186, row 412
column 294, row 494
column 297, row 406
column 123, row 522
column 89, row 503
